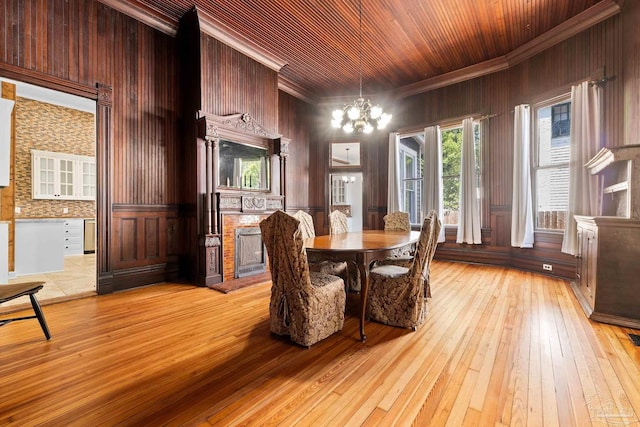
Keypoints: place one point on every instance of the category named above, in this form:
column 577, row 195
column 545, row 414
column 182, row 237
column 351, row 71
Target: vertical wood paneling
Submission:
column 294, row 123
column 234, row 83
column 630, row 97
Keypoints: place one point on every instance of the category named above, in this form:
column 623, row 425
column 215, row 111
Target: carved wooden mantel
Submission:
column 218, row 199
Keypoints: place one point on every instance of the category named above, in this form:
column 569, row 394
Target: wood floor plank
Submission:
column 499, row 347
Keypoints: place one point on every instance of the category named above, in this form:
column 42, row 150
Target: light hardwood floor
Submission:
column 499, row 347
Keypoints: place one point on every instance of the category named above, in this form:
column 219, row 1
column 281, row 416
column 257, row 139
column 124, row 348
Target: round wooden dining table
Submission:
column 363, row 248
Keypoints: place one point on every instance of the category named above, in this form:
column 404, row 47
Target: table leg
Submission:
column 364, row 290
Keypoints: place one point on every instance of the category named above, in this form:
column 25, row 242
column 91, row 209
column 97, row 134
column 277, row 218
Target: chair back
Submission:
column 397, row 221
column 306, row 224
column 425, row 248
column 282, row 237
column 338, row 222
column 433, row 244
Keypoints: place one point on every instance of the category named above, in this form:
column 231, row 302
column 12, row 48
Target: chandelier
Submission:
column 360, row 116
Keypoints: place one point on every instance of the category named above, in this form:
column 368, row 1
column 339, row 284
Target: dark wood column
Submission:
column 105, row 184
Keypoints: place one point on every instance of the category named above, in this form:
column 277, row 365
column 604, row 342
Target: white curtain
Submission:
column 469, row 217
column 522, row 202
column 585, row 143
column 432, row 174
column 393, row 178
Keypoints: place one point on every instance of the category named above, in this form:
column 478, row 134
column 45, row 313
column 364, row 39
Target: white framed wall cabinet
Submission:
column 62, row 176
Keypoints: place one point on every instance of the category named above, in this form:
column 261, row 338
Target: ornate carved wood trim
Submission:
column 241, row 124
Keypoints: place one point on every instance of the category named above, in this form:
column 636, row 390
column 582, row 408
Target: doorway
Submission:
column 55, row 190
column 346, row 196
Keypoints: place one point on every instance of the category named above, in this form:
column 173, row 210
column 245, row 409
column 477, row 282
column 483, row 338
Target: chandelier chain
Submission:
column 360, row 48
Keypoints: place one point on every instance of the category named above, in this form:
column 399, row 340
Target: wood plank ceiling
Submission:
column 404, row 41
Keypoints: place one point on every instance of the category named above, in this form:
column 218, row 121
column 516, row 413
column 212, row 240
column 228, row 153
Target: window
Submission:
column 551, row 163
column 451, row 163
column 411, row 164
column 411, row 161
column 451, row 158
column 62, row 176
column 337, row 191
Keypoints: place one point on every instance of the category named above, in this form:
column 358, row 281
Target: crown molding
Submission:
column 296, row 90
column 227, row 35
column 569, row 28
column 144, row 14
column 453, row 77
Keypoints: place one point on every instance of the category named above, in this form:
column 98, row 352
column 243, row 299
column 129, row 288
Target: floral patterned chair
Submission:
column 397, row 221
column 397, row 295
column 338, row 223
column 317, row 263
column 307, row 306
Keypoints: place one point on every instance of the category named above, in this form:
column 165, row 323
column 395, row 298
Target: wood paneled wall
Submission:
column 72, row 45
column 234, row 83
column 294, row 123
column 582, row 57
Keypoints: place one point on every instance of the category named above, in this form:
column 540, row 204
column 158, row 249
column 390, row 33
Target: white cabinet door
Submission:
column 73, row 237
column 62, row 176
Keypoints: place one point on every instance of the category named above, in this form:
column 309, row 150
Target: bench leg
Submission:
column 40, row 316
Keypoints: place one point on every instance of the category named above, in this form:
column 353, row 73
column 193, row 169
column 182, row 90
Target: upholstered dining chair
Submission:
column 316, row 263
column 397, row 295
column 308, row 306
column 338, row 222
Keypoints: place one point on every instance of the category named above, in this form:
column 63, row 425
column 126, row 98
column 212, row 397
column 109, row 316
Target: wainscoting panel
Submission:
column 144, row 238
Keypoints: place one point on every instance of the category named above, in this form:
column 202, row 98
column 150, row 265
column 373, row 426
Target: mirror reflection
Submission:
column 346, row 196
column 345, row 154
column 243, row 166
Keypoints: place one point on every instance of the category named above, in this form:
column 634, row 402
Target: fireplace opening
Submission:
column 250, row 256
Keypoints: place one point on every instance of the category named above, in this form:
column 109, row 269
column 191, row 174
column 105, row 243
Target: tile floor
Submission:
column 77, row 280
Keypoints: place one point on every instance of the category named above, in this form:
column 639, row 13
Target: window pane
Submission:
column 411, row 163
column 451, row 158
column 551, row 150
column 451, row 198
column 552, row 196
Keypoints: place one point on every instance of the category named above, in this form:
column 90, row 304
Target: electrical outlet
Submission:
column 65, row 210
column 547, row 267
column 17, row 209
